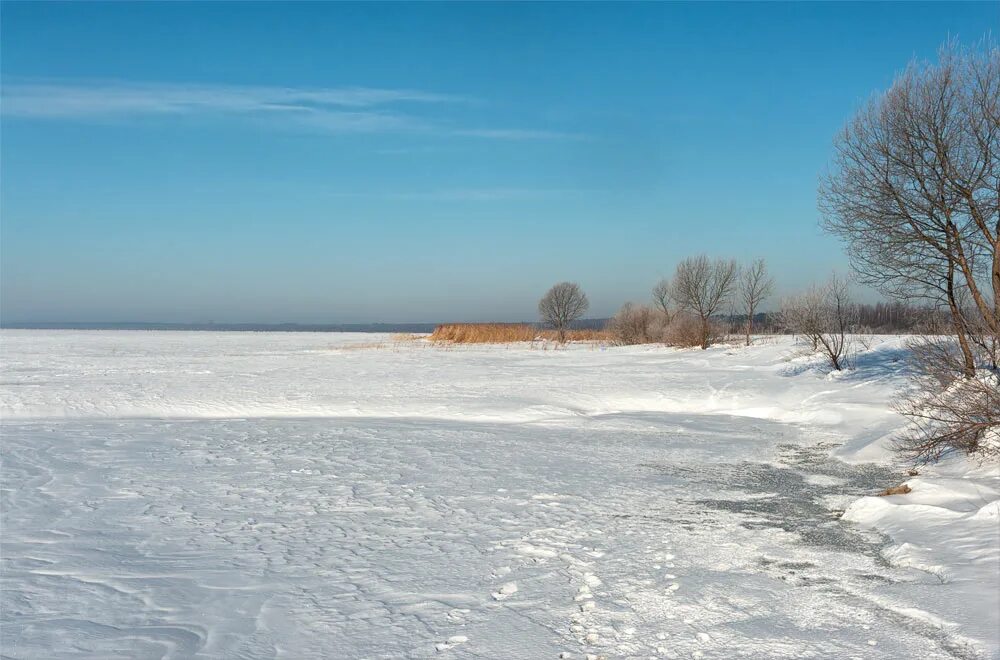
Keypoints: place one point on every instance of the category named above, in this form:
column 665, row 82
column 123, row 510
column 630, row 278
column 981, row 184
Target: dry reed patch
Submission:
column 589, row 334
column 362, row 346
column 401, row 337
column 507, row 333
column 483, row 333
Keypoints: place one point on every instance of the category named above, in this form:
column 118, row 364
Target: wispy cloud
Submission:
column 332, row 110
column 102, row 99
column 516, row 134
column 464, row 194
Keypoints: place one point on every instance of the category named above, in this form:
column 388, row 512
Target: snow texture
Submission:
column 258, row 495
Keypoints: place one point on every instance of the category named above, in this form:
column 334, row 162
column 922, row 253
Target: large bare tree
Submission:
column 914, row 189
column 702, row 286
column 561, row 305
column 915, row 192
column 755, row 287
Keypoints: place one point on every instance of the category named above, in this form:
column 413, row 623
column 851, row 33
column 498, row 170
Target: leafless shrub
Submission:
column 703, row 287
column 803, row 315
column 635, row 324
column 561, row 305
column 685, row 330
column 948, row 409
column 935, row 361
column 755, row 287
column 959, row 417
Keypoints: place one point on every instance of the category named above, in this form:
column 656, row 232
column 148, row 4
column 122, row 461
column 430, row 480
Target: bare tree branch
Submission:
column 662, row 298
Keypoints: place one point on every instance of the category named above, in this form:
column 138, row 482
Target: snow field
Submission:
column 280, row 495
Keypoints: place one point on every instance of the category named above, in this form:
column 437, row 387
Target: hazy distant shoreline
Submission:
column 244, row 327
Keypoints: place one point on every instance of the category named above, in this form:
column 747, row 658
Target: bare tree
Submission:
column 702, row 287
column 825, row 316
column 755, row 287
column 915, row 185
column 803, row 315
column 661, row 298
column 839, row 314
column 561, row 305
column 915, row 193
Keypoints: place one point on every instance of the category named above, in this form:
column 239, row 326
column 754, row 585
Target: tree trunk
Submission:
column 989, row 315
column 996, row 274
column 969, row 362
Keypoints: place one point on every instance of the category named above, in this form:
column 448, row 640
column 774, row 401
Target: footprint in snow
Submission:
column 455, row 640
column 458, row 614
column 505, row 591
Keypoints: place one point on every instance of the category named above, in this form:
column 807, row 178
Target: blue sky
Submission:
column 421, row 162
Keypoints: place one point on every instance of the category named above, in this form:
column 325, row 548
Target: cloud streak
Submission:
column 328, row 110
column 516, row 134
column 57, row 100
column 464, row 194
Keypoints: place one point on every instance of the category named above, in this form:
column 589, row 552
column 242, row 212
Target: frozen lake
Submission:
column 244, row 495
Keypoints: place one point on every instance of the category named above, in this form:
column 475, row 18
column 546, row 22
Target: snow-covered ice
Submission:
column 257, row 495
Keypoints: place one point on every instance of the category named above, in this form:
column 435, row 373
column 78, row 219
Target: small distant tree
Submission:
column 755, row 287
column 839, row 317
column 702, row 287
column 564, row 303
column 825, row 316
column 803, row 315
